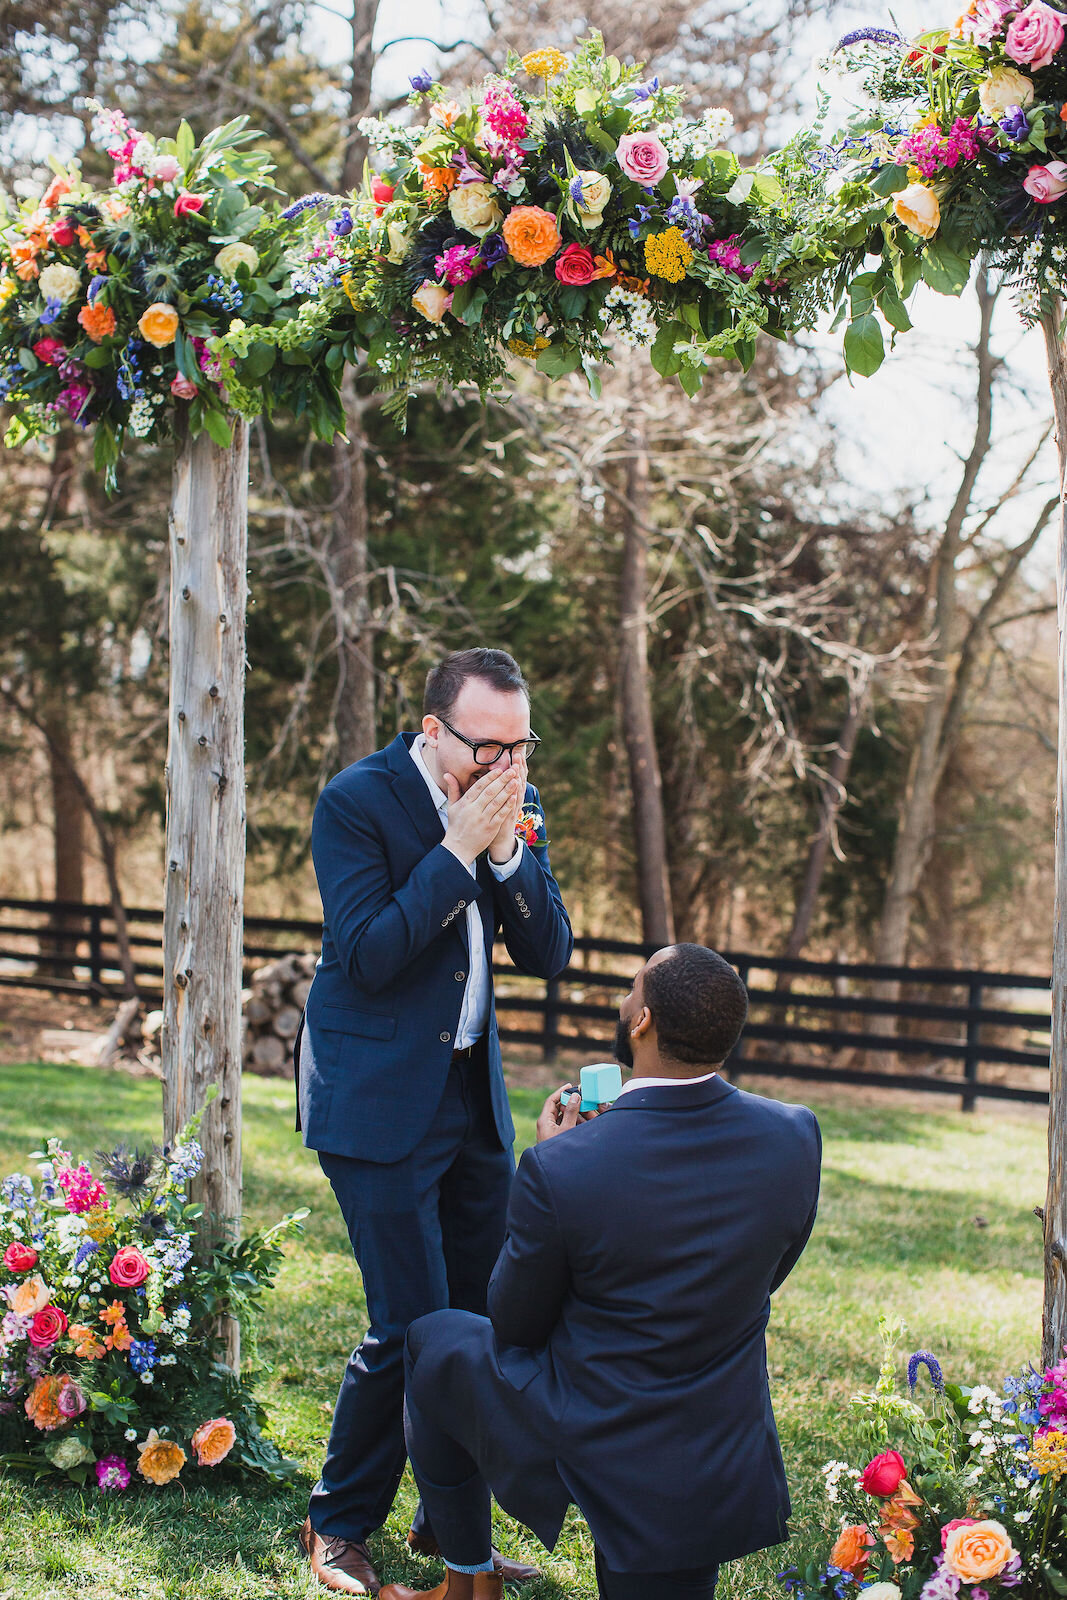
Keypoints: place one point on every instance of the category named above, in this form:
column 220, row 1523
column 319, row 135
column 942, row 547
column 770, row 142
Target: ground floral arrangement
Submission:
column 109, row 1353
column 963, row 1499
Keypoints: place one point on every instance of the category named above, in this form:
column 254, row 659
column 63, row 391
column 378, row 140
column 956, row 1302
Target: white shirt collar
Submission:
column 664, row 1083
column 437, row 794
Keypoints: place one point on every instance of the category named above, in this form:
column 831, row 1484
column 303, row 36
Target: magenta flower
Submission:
column 70, row 1401
column 459, row 264
column 726, row 253
column 503, row 115
column 82, row 1190
column 112, row 1473
column 930, row 149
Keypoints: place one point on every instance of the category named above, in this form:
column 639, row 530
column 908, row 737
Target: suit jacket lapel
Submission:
column 410, row 789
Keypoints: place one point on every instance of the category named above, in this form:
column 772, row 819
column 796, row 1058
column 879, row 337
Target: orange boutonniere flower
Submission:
column 531, row 827
column 98, row 321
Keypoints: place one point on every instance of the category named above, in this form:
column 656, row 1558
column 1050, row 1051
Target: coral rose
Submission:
column 917, row 208
column 977, row 1551
column 158, row 325
column 1046, row 184
column 643, row 158
column 98, row 321
column 31, row 1295
column 160, row 1459
column 19, row 1257
column 474, row 207
column 1034, row 35
column 62, row 233
column 883, row 1475
column 531, row 235
column 128, row 1268
column 47, row 1326
column 49, row 1403
column 213, row 1441
column 183, row 388
column 58, row 187
column 575, row 265
column 432, row 299
column 850, row 1552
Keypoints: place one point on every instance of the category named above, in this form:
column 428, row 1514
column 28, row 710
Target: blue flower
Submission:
column 923, row 1358
column 645, row 91
column 421, row 82
column 52, row 310
column 95, row 286
column 302, row 205
column 576, row 189
column 143, row 1355
column 342, row 225
column 875, row 35
column 1016, row 124
column 89, row 1248
column 634, row 224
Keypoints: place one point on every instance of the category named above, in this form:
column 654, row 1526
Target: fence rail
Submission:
column 821, row 1027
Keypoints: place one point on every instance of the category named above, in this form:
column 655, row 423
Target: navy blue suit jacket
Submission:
column 385, row 1002
column 623, row 1365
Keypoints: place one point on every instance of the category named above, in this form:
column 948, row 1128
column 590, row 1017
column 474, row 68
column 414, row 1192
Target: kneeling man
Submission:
column 623, row 1364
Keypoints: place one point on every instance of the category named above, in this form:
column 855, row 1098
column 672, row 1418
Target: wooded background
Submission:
column 767, row 721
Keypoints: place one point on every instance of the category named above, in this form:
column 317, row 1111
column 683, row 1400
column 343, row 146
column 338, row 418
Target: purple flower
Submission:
column 421, row 82
column 52, row 309
column 875, row 35
column 645, row 91
column 492, row 250
column 302, row 205
column 576, row 189
column 342, row 225
column 634, row 224
column 469, row 171
column 923, row 1358
column 112, row 1473
column 95, row 286
column 70, row 1401
column 1016, row 124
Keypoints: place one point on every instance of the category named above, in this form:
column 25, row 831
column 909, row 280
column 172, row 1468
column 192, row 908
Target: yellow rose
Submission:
column 432, row 299
column 1003, row 89
column 977, row 1552
column 31, row 1295
column 474, row 207
column 159, row 324
column 596, row 192
column 399, row 243
column 917, row 208
column 232, row 256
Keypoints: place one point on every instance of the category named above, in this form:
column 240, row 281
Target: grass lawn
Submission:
column 926, row 1214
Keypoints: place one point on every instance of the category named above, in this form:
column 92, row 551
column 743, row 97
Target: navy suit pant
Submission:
column 426, row 1232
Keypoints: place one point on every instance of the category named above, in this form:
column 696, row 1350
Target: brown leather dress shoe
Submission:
column 512, row 1572
column 456, row 1586
column 340, row 1564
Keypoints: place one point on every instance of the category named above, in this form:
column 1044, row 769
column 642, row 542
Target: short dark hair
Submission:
column 698, row 1003
column 444, row 681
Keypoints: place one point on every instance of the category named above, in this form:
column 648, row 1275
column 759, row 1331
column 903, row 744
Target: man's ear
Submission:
column 431, row 728
column 641, row 1023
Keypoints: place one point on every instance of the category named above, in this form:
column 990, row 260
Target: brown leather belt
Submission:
column 468, row 1053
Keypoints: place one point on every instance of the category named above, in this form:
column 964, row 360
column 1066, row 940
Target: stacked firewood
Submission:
column 272, row 1009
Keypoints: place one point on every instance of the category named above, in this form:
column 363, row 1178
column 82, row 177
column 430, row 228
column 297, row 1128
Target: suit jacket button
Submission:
column 445, row 1037
column 460, row 976
column 461, row 905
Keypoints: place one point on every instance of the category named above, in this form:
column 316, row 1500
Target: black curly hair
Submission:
column 698, row 1003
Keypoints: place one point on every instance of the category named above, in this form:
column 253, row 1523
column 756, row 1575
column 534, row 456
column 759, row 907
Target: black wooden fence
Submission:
column 939, row 1030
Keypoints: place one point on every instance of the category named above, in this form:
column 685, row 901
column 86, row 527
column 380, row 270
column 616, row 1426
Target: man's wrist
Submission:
column 502, row 861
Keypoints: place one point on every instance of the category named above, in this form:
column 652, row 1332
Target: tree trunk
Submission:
column 1054, row 1328
column 346, row 569
column 635, row 697
column 203, row 911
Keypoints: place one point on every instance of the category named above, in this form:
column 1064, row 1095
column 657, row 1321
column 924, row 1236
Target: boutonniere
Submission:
column 531, row 828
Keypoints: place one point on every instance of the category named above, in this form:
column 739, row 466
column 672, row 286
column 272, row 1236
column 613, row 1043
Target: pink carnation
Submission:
column 1034, row 35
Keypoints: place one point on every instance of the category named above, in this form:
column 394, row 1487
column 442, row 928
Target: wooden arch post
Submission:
column 205, row 836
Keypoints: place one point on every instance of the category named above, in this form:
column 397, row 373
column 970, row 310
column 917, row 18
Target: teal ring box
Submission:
column 600, row 1084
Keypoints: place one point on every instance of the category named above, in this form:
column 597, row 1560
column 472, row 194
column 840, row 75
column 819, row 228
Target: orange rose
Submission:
column 159, row 324
column 850, row 1551
column 98, row 321
column 977, row 1552
column 160, row 1459
column 43, row 1405
column 531, row 235
column 213, row 1441
column 29, row 1296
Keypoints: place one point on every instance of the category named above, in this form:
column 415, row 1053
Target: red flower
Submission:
column 129, row 1268
column 47, row 1326
column 19, row 1257
column 51, row 352
column 883, row 1475
column 575, row 265
column 918, row 58
column 189, row 202
column 382, row 192
column 63, row 233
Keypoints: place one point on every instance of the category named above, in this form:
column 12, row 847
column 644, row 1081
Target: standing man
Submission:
column 400, row 1089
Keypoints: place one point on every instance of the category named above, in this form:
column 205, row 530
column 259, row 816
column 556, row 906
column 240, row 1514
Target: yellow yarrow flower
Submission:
column 544, row 63
column 667, row 255
column 521, row 347
column 98, row 1225
column 1048, row 1455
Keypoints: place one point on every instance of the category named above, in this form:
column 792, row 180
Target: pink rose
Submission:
column 166, row 168
column 50, row 351
column 47, row 1326
column 188, row 202
column 70, row 1402
column 884, row 1475
column 129, row 1268
column 960, row 1522
column 1045, row 184
column 1034, row 35
column 19, row 1257
column 643, row 158
column 62, row 233
column 183, row 388
column 575, row 265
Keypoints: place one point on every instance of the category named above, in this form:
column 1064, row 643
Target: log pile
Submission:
column 272, row 1009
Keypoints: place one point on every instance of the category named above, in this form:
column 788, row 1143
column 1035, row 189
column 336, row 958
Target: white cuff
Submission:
column 503, row 870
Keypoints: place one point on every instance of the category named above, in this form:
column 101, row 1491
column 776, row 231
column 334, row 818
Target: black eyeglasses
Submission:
column 485, row 754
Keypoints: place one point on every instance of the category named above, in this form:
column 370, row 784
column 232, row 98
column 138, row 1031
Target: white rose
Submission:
column 1004, row 88
column 399, row 243
column 474, row 207
column 881, row 1591
column 59, row 282
column 232, row 256
column 596, row 192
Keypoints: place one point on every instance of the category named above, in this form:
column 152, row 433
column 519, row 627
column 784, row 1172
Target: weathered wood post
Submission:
column 1054, row 1320
column 205, row 841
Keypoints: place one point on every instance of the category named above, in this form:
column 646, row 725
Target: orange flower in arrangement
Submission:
column 531, row 235
column 58, row 187
column 98, row 321
column 24, row 254
column 445, row 112
column 120, row 1337
column 53, row 1401
column 115, row 208
column 160, row 1459
column 159, row 324
column 545, row 63
column 86, row 1343
column 1063, row 112
column 605, row 266
column 635, row 285
column 96, row 260
column 85, row 238
column 898, row 1522
column 850, row 1553
column 213, row 1441
column 438, row 180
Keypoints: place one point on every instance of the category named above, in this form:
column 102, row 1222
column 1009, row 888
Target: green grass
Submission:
column 896, row 1232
